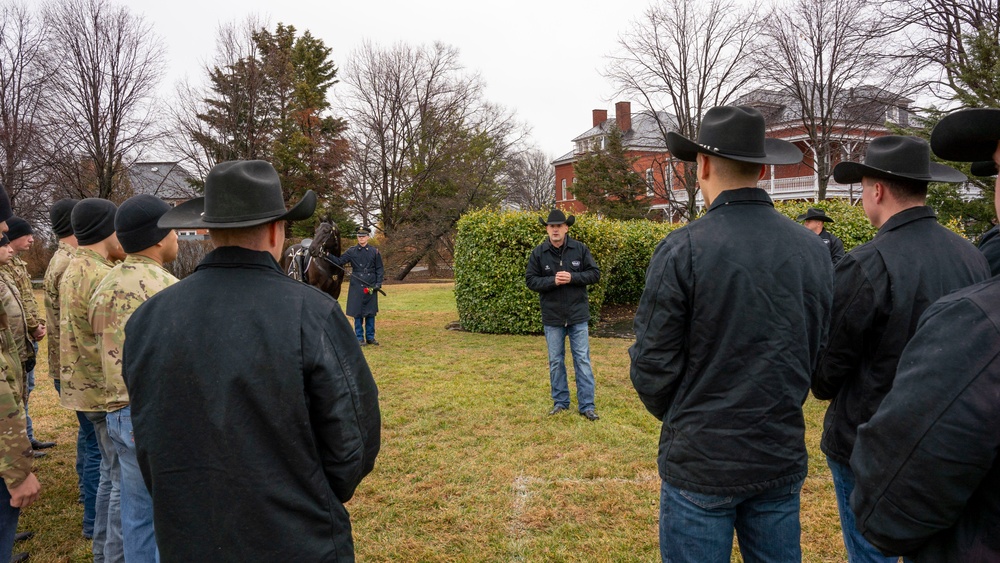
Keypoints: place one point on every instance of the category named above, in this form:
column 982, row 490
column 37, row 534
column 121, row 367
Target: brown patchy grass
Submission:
column 471, row 468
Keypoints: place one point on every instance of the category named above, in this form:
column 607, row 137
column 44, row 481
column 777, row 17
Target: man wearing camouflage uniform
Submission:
column 21, row 487
column 127, row 286
column 81, row 371
column 21, row 238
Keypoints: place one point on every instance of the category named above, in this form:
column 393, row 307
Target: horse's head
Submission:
column 327, row 236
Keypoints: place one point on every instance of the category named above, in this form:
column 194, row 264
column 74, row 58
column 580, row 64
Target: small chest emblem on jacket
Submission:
column 547, row 268
column 576, row 263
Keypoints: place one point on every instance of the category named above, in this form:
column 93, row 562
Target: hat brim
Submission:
column 776, row 151
column 967, row 135
column 984, row 168
column 806, row 217
column 568, row 222
column 853, row 172
column 190, row 215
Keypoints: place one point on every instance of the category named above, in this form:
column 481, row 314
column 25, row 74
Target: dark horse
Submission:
column 307, row 259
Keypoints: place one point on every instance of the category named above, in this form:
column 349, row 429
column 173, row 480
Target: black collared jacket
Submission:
column 834, row 244
column 728, row 330
column 926, row 465
column 881, row 289
column 562, row 305
column 255, row 414
column 989, row 245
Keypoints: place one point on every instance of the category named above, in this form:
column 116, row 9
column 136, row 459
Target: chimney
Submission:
column 600, row 116
column 623, row 116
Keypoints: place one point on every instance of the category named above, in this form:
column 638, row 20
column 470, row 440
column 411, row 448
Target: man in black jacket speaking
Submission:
column 728, row 329
column 560, row 269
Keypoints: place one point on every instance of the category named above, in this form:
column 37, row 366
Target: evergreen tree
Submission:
column 607, row 183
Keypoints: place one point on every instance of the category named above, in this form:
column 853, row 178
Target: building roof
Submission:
column 645, row 131
column 863, row 104
column 165, row 180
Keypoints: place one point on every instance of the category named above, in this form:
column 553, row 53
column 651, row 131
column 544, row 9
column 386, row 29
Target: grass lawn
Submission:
column 471, row 468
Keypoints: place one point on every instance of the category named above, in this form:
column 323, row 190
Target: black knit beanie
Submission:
column 136, row 220
column 59, row 216
column 4, row 241
column 17, row 228
column 93, row 220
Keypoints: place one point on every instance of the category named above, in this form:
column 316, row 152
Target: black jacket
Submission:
column 989, row 245
column 834, row 244
column 565, row 304
column 881, row 289
column 255, row 414
column 366, row 272
column 728, row 329
column 928, row 475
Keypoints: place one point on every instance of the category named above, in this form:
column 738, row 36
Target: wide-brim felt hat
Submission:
column 238, row 193
column 897, row 157
column 967, row 135
column 736, row 133
column 813, row 213
column 557, row 217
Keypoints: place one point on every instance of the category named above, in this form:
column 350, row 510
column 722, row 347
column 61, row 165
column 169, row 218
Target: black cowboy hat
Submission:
column 238, row 193
column 897, row 157
column 556, row 217
column 813, row 213
column 967, row 135
column 736, row 133
column 983, row 168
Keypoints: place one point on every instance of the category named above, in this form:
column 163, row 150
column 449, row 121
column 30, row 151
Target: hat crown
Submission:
column 908, row 156
column 242, row 190
column 736, row 130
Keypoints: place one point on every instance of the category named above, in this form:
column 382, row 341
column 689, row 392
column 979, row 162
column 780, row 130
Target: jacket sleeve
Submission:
column 662, row 321
column 590, row 273
column 16, row 459
column 342, row 259
column 854, row 308
column 534, row 277
column 379, row 269
column 343, row 403
column 926, row 450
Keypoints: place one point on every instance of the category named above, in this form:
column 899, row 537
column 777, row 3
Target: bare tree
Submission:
column 530, row 179
column 684, row 57
column 23, row 81
column 432, row 148
column 101, row 110
column 825, row 55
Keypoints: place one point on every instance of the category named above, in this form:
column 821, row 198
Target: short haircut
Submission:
column 904, row 189
column 737, row 169
column 247, row 237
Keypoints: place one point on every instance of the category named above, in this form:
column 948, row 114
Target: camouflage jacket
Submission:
column 18, row 270
column 16, row 457
column 127, row 286
column 13, row 305
column 53, row 275
column 82, row 386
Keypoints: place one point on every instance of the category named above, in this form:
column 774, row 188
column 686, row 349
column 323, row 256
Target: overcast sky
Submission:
column 541, row 58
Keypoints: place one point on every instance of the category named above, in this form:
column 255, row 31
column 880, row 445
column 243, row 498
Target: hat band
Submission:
column 733, row 152
column 214, row 219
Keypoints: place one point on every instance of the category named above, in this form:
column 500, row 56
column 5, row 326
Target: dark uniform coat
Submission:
column 989, row 245
column 928, row 475
column 562, row 305
column 882, row 287
column 366, row 271
column 255, row 414
column 834, row 244
column 728, row 329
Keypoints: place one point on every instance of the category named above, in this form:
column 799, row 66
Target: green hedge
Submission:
column 850, row 224
column 491, row 254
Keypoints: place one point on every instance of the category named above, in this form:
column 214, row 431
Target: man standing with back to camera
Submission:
column 254, row 411
column 728, row 329
column 560, row 269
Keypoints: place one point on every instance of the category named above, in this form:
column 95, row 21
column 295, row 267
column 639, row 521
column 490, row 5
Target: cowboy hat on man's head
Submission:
column 967, row 135
column 238, row 193
column 736, row 133
column 556, row 217
column 816, row 214
column 896, row 157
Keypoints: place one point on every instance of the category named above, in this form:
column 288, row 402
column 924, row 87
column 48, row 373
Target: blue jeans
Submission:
column 858, row 548
column 108, row 521
column 698, row 528
column 579, row 344
column 366, row 332
column 8, row 524
column 136, row 504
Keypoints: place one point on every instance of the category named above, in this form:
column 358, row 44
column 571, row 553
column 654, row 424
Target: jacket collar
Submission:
column 907, row 216
column 741, row 195
column 568, row 243
column 236, row 256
